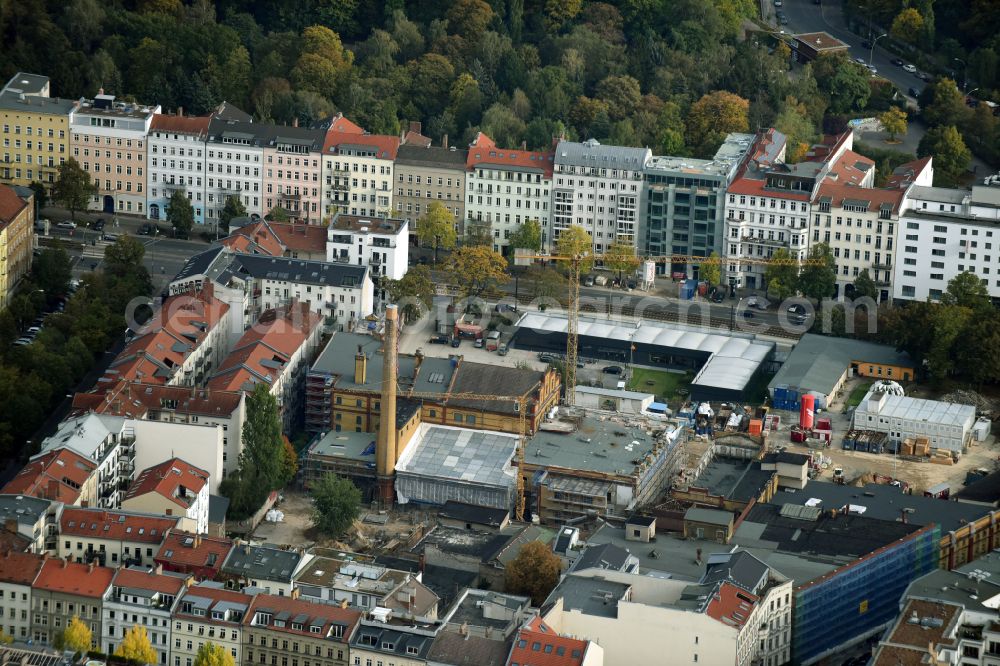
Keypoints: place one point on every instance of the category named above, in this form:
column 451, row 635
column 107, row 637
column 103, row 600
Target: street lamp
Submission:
column 965, row 73
column 871, row 53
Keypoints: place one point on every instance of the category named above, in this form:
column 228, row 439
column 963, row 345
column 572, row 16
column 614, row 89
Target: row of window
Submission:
column 37, row 131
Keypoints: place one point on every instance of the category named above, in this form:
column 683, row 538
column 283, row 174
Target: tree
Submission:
column 124, row 256
column 233, row 208
column 262, row 440
column 621, row 94
column 77, row 636
column 135, row 645
column 894, row 122
column 781, row 276
column 711, row 271
column 73, row 188
column 277, row 214
column 437, row 228
column 795, row 123
column 336, row 502
column 818, row 280
column 968, row 291
column 289, row 462
column 477, row 270
column 574, row 241
column 211, row 654
column 908, row 26
column 558, row 12
column 527, row 236
column 41, row 195
column 52, row 271
column 414, row 292
column 620, row 257
column 469, row 18
column 942, row 103
column 951, row 156
column 975, row 356
column 865, row 286
column 534, row 572
column 180, row 213
column 712, row 117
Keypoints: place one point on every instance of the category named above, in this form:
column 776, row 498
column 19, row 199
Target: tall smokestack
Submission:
column 360, row 367
column 385, row 448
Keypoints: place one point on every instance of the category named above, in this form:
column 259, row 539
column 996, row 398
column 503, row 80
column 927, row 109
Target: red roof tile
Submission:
column 20, row 568
column 756, row 187
column 115, row 525
column 167, row 479
column 341, row 124
column 385, row 145
column 329, row 614
column 149, row 580
column 838, row 192
column 484, row 151
column 135, row 399
column 276, row 239
column 851, row 168
column 197, row 125
column 731, row 605
column 182, row 549
column 57, row 475
column 84, row 580
column 538, row 644
column 11, row 205
column 904, row 175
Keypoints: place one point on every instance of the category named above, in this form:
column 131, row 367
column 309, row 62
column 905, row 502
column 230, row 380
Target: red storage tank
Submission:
column 702, row 288
column 808, row 411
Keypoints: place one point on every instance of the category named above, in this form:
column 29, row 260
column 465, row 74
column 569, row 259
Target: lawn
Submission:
column 664, row 386
column 857, row 395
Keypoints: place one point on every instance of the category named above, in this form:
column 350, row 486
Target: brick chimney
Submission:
column 65, row 562
column 180, row 111
column 90, row 567
column 158, row 569
column 385, row 447
column 360, row 366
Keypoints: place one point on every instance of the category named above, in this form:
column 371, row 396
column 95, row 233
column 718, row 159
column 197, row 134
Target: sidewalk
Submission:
column 126, row 223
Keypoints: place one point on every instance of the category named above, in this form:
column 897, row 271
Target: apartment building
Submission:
column 684, row 205
column 505, row 188
column 381, row 243
column 172, row 404
column 64, row 590
column 194, row 554
column 281, row 628
column 537, row 638
column 233, row 166
column 108, row 139
column 145, row 597
column 18, row 572
column 859, row 225
column 265, row 568
column 176, row 160
column 358, row 173
column 293, row 169
column 600, row 189
column 207, row 613
column 172, row 488
column 35, row 130
column 32, row 518
column 768, row 205
column 110, row 538
column 944, row 232
column 17, row 239
column 425, row 174
column 385, row 638
column 274, row 352
column 278, row 239
column 61, row 475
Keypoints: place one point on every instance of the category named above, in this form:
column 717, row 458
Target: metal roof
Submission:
column 590, row 153
column 918, row 409
column 473, row 456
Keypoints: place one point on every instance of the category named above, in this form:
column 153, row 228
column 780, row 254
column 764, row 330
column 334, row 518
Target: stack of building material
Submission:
column 907, row 448
column 942, row 457
column 922, row 446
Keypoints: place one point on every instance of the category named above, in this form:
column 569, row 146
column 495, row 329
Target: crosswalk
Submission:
column 95, row 251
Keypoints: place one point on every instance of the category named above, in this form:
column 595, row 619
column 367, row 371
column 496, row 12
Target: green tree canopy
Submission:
column 712, row 117
column 865, row 286
column 233, row 208
column 818, row 280
column 73, row 187
column 277, row 214
column 951, row 156
column 52, row 271
column 437, row 228
column 534, row 572
column 621, row 258
column 711, row 271
column 528, row 235
column 414, row 292
column 180, row 213
column 476, row 270
column 781, row 275
column 336, row 503
column 968, row 291
column 574, row 241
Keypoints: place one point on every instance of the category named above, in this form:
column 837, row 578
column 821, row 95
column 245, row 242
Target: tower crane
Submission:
column 575, row 261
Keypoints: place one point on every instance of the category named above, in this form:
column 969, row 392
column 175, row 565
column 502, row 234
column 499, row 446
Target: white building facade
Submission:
column 599, row 188
column 379, row 243
column 176, row 161
column 140, row 597
column 358, row 173
column 944, row 232
column 17, row 572
column 233, row 167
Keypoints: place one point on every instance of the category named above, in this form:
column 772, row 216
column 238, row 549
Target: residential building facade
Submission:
column 265, row 568
column 380, row 243
column 141, row 597
column 172, row 488
column 33, row 518
column 17, row 240
column 684, row 205
column 426, row 174
column 386, row 640
column 233, row 167
column 944, row 232
column 111, row 538
column 18, row 572
column 108, row 139
column 279, row 629
column 599, row 188
column 206, row 613
column 176, row 161
column 358, row 173
column 64, row 590
column 35, row 130
column 293, row 170
column 505, row 188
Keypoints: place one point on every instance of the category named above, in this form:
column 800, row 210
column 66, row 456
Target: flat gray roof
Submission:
column 35, row 103
column 23, row 508
column 473, row 456
column 918, row 409
column 817, row 362
column 29, row 84
column 591, row 153
column 345, row 444
column 709, row 516
column 942, row 194
column 972, row 585
column 589, row 595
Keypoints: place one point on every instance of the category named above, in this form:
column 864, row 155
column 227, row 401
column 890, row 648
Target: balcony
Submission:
column 289, row 197
column 763, row 241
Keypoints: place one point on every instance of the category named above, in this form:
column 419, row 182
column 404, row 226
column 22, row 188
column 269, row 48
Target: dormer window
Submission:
column 388, row 646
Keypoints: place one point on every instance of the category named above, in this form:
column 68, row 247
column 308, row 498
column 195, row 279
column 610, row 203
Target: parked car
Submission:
column 502, row 349
column 783, row 20
column 909, row 68
column 146, row 229
column 923, row 76
column 861, row 61
column 898, row 62
column 34, row 330
column 505, row 307
column 111, row 238
column 439, row 340
column 914, row 92
column 98, row 225
column 456, row 341
column 20, row 342
column 718, row 297
column 588, row 281
column 748, row 314
column 67, row 224
column 798, row 319
column 546, row 357
column 612, row 370
column 479, row 343
column 796, row 308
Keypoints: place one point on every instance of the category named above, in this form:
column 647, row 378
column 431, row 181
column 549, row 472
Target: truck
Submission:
column 600, row 280
column 493, row 341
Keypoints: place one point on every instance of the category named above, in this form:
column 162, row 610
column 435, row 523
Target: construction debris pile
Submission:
column 982, row 404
